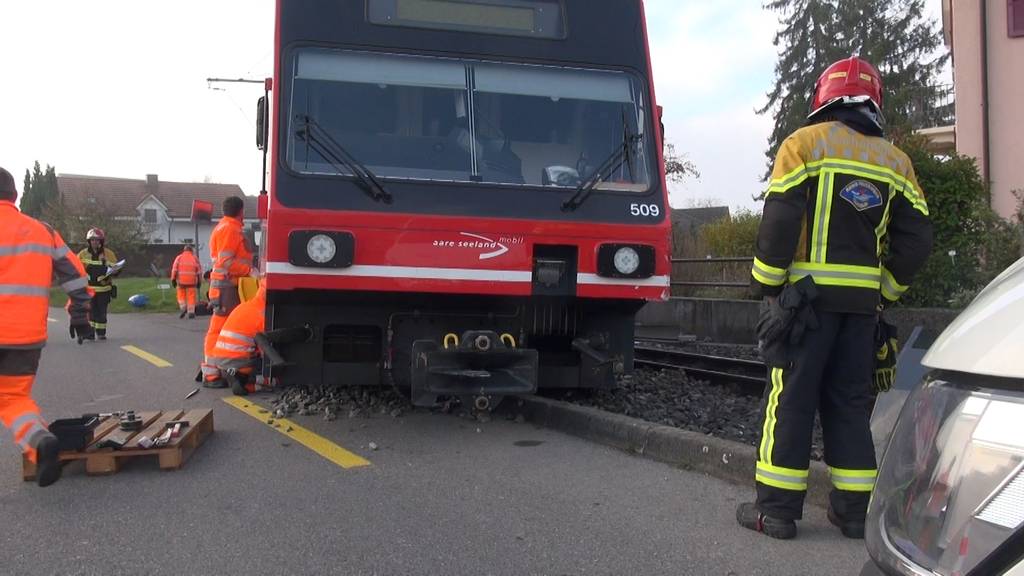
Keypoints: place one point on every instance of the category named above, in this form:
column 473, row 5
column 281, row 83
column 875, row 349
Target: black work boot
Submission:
column 191, row 315
column 850, row 528
column 182, row 315
column 751, row 518
column 48, row 466
column 218, row 383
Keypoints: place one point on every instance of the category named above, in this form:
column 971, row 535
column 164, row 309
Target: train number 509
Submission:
column 644, row 210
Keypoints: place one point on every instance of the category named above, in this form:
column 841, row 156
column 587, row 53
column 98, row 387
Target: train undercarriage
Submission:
column 433, row 346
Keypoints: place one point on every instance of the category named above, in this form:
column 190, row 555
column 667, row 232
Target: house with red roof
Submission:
column 164, row 209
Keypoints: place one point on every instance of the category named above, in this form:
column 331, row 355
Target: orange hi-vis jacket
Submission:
column 230, row 255
column 236, row 344
column 31, row 255
column 186, row 269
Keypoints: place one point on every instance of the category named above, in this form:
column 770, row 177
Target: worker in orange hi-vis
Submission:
column 185, row 276
column 232, row 260
column 236, row 354
column 31, row 255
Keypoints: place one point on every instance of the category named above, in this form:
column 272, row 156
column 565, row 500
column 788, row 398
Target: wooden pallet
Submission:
column 103, row 461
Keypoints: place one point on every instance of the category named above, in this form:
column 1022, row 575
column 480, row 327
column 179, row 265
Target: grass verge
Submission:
column 159, row 300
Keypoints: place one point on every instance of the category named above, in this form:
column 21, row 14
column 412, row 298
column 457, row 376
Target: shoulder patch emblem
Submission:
column 863, row 195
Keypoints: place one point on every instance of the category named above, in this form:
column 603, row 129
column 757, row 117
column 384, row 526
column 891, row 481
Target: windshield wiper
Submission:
column 621, row 155
column 330, row 150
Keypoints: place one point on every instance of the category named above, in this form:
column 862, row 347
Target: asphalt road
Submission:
column 442, row 495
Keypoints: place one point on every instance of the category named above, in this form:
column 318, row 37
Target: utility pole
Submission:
column 266, row 82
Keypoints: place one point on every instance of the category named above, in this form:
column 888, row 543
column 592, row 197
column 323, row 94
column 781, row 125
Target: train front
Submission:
column 467, row 196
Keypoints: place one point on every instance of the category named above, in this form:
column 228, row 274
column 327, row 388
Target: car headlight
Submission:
column 321, row 248
column 950, row 489
column 626, row 260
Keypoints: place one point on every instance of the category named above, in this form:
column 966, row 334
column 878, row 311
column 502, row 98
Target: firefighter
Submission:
column 845, row 229
column 31, row 255
column 235, row 355
column 96, row 258
column 185, row 277
column 232, row 260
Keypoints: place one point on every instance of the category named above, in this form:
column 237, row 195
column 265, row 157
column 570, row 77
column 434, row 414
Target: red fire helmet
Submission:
column 850, row 81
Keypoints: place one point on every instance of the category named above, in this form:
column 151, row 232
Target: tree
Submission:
column 40, row 190
column 894, row 35
column 972, row 243
column 677, row 166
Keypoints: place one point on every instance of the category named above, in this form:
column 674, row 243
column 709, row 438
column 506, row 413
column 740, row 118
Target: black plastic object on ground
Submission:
column 74, row 433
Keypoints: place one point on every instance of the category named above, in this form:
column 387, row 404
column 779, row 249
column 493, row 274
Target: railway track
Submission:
column 748, row 374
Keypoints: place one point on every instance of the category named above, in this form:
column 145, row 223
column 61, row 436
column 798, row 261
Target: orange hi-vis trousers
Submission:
column 187, row 298
column 229, row 300
column 18, row 412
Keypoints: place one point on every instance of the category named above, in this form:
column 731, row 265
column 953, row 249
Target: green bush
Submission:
column 972, row 243
column 733, row 236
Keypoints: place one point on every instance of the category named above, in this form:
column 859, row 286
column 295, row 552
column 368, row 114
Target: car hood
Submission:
column 988, row 337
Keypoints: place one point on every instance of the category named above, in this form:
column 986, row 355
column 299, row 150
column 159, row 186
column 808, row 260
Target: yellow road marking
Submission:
column 314, row 442
column 154, row 360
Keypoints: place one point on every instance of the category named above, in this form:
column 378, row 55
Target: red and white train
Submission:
column 466, row 196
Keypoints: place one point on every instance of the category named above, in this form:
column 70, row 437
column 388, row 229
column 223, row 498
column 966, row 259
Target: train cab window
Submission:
column 396, row 115
column 556, row 126
column 423, row 118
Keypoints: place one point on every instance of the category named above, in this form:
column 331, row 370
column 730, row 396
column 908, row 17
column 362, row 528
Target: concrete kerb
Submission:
column 730, row 461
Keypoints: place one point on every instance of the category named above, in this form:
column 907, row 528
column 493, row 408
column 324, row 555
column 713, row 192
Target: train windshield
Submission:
column 424, row 118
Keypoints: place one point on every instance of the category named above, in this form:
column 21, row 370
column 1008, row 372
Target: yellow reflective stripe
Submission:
column 849, row 473
column 782, row 471
column 822, row 216
column 837, row 274
column 882, row 173
column 891, row 289
column 853, row 480
column 779, row 477
column 768, row 275
column 787, row 181
column 768, row 432
column 774, row 482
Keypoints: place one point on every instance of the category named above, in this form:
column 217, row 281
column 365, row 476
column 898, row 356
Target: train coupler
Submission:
column 480, row 365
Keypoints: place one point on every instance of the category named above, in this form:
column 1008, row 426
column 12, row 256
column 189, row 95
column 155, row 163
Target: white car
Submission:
column 949, row 498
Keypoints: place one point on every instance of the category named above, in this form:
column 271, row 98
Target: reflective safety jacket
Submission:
column 230, row 255
column 96, row 267
column 186, row 269
column 845, row 208
column 31, row 255
column 236, row 344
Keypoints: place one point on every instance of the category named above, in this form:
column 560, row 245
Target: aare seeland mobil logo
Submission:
column 487, row 248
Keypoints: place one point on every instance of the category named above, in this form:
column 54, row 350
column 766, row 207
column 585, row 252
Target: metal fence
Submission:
column 929, row 106
column 711, row 272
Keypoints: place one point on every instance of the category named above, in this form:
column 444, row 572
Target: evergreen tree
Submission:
column 26, row 189
column 894, row 35
column 40, row 190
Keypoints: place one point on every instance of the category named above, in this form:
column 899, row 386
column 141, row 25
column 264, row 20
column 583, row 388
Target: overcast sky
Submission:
column 117, row 88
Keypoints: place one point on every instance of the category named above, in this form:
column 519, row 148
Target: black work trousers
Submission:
column 98, row 312
column 831, row 374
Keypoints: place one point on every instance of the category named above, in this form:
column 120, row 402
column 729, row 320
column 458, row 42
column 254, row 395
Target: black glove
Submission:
column 774, row 320
column 80, row 328
column 174, row 283
column 887, row 350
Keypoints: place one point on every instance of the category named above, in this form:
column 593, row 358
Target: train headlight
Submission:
column 626, row 260
column 321, row 248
